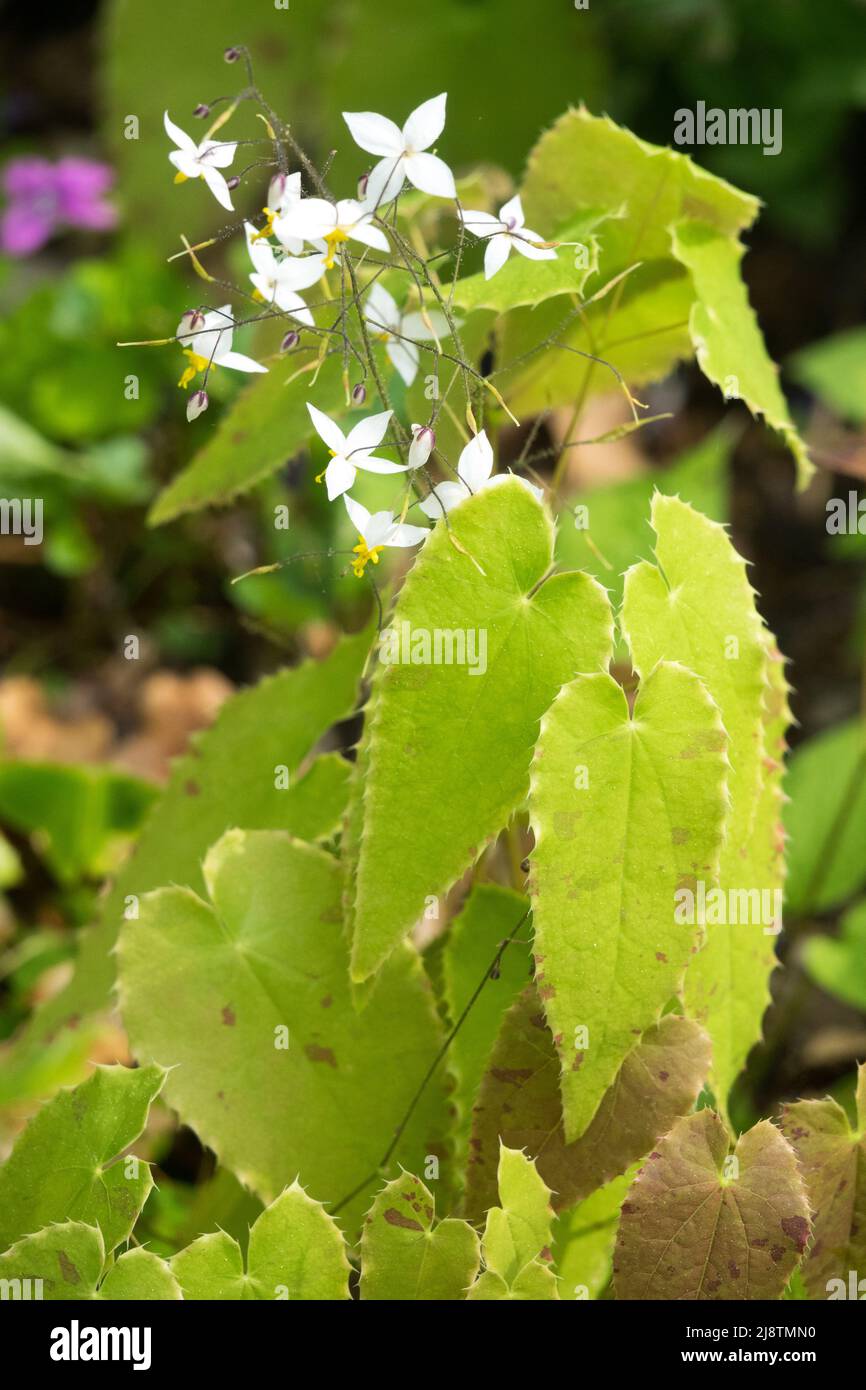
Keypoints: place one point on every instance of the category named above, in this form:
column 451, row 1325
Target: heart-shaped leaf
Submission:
column 407, row 1255
column 247, row 998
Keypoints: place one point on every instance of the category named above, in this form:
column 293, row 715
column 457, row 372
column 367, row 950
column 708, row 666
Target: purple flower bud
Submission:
column 231, row 55
column 233, row 182
column 201, row 111
column 423, row 443
column 196, row 405
column 359, row 393
column 196, row 320
column 291, row 340
column 362, row 186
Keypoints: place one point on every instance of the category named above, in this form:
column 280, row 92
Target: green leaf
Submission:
column 835, row 370
column 838, row 964
column 211, row 989
column 226, row 779
column 66, row 1164
column 406, row 1255
column 825, row 818
column 832, row 1159
column 487, row 918
column 517, row 1235
column 81, row 818
column 622, row 808
column 617, row 513
column 68, row 1258
column 698, row 1224
column 519, row 1104
column 698, row 608
column 296, row 1252
column 140, row 1275
column 588, row 161
column 584, row 1238
column 264, row 428
column 728, row 343
column 427, row 802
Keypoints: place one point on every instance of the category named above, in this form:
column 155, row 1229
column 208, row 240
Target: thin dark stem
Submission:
column 489, row 973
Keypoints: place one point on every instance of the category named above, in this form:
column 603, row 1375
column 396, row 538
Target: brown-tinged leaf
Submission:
column 519, row 1102
column 701, row 1224
column 833, row 1161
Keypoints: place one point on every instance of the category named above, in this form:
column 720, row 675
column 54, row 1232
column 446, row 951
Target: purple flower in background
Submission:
column 44, row 198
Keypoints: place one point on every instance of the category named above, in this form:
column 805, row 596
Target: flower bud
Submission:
column 423, row 442
column 196, row 405
column 201, row 111
column 362, row 186
column 233, row 182
column 291, row 340
column 276, row 189
column 231, row 55
column 196, row 320
column 359, row 393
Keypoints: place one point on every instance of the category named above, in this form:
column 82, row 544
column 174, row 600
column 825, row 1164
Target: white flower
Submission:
column 503, row 232
column 284, row 191
column 377, row 531
column 352, row 451
column 202, row 161
column 278, row 281
column 423, row 443
column 473, row 474
column 394, row 328
column 207, row 342
column 318, row 221
column 401, row 151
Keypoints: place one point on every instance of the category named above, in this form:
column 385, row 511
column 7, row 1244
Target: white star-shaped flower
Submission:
column 473, row 475
column 402, row 151
column 376, row 531
column 207, row 343
column 394, row 328
column 277, row 281
column 202, row 161
column 330, row 224
column 352, row 451
column 503, row 232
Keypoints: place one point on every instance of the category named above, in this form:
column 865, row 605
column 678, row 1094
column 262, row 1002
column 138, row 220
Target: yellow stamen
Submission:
column 382, row 337
column 333, row 240
column 268, row 227
column 196, row 364
column 259, row 297
column 320, row 476
column 180, row 178
column 364, row 556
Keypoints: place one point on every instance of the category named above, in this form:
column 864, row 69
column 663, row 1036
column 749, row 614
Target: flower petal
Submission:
column 299, row 273
column 380, row 309
column 326, row 429
column 291, row 303
column 405, row 357
column 443, row 498
column 404, row 535
column 368, row 432
column 385, row 182
column 181, row 139
column 185, row 163
column 218, row 187
column 339, row 476
column 239, row 362
column 431, row 174
column 425, row 124
column 358, row 515
column 374, row 133
column 370, row 236
column 476, row 462
column 414, row 326
column 371, row 464
column 217, row 154
column 480, row 224
column 512, row 211
column 309, row 218
column 523, row 242
column 261, row 252
column 498, row 250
